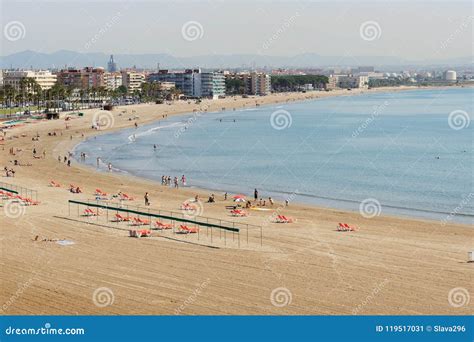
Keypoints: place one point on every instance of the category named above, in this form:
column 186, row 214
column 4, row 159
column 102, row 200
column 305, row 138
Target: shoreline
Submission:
column 203, row 191
column 327, row 272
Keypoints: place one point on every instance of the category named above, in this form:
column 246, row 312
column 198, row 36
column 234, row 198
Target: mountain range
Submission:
column 65, row 58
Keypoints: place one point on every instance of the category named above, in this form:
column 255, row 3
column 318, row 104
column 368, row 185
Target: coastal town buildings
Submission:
column 44, row 78
column 85, row 78
column 132, row 80
column 112, row 80
column 192, row 82
column 255, row 83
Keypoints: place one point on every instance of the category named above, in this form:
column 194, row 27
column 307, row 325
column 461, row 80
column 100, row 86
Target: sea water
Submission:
column 409, row 152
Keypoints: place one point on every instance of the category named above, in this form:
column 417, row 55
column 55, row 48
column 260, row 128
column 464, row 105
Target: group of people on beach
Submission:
column 167, row 181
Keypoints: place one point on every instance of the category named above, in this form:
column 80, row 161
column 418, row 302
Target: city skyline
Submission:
column 413, row 31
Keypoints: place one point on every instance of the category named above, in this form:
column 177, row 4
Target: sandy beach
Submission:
column 391, row 265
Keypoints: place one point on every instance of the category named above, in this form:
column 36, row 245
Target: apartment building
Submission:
column 44, row 78
column 82, row 78
column 132, row 80
column 112, row 80
column 193, row 82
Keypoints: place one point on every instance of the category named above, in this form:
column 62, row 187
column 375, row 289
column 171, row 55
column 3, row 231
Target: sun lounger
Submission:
column 284, row 219
column 90, row 212
column 140, row 222
column 344, row 227
column 54, row 184
column 120, row 218
column 187, row 206
column 238, row 213
column 138, row 233
column 183, row 229
column 161, row 225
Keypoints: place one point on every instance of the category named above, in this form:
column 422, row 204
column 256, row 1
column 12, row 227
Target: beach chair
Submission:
column 54, row 184
column 120, row 218
column 29, row 201
column 183, row 229
column 140, row 222
column 349, row 228
column 187, row 206
column 284, row 219
column 90, row 212
column 161, row 225
column 238, row 213
column 126, row 197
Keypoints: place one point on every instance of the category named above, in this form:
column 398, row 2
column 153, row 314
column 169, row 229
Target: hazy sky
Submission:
column 409, row 29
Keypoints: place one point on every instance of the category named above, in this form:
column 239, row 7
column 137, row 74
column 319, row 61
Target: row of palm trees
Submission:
column 30, row 94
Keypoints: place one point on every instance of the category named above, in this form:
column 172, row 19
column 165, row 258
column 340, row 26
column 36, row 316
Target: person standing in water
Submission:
column 255, row 194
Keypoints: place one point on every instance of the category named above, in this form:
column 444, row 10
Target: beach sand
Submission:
column 391, row 265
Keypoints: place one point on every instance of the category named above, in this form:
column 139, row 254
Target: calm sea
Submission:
column 411, row 152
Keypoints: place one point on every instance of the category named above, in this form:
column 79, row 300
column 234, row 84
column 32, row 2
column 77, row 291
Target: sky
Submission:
column 413, row 30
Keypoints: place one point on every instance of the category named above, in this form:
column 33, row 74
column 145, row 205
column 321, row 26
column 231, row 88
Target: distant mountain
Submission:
column 62, row 58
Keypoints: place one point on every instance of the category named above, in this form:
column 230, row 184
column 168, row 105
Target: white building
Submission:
column 450, row 76
column 112, row 80
column 44, row 78
column 350, row 81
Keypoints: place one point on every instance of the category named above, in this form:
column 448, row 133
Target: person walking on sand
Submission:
column 147, row 200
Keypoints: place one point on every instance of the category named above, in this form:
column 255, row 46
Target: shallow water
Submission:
column 398, row 149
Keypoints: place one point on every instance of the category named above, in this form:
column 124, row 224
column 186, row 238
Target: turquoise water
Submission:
column 400, row 149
